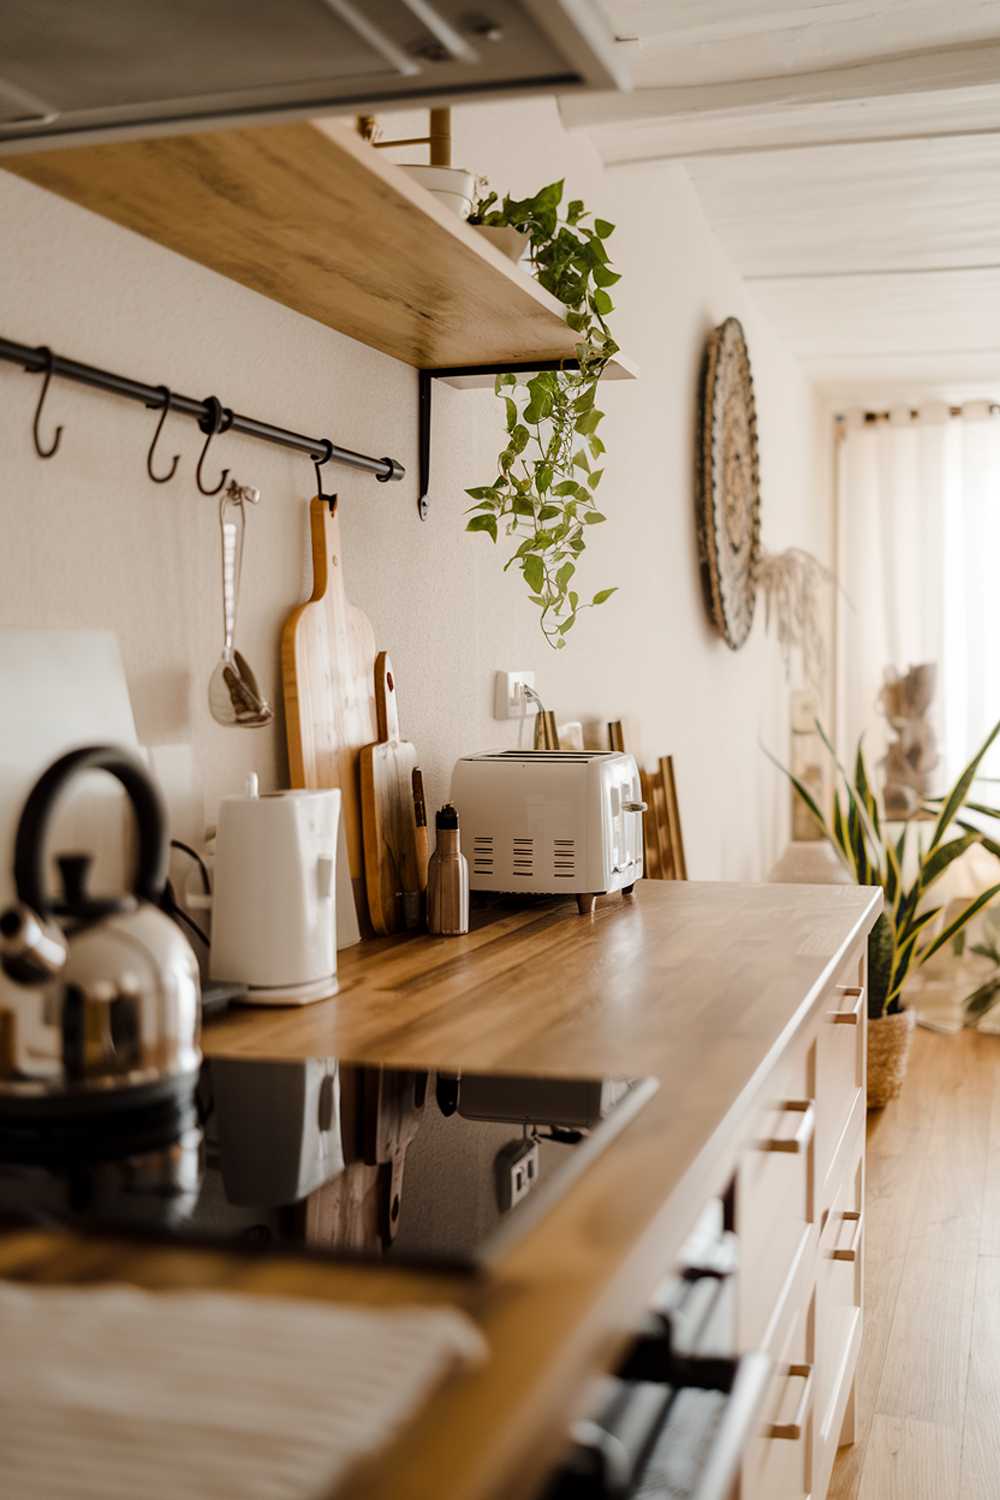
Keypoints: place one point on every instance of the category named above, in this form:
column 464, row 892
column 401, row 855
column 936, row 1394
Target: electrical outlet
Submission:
column 509, row 698
column 517, row 1166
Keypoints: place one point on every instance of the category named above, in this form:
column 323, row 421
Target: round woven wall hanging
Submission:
column 729, row 484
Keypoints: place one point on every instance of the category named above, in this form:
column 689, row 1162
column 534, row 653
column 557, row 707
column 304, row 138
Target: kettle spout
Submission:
column 31, row 951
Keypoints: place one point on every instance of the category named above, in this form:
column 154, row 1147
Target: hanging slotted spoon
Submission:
column 233, row 695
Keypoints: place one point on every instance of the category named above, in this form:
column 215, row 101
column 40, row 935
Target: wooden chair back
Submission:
column 663, row 839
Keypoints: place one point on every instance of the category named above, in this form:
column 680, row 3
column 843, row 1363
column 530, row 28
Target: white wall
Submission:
column 89, row 540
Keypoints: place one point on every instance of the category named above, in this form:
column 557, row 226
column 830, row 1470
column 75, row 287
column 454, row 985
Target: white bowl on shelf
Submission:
column 452, row 186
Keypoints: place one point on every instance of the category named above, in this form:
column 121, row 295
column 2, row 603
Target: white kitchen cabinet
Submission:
column 800, row 1222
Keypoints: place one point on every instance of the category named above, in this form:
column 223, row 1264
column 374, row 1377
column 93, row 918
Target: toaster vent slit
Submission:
column 563, row 859
column 523, row 856
column 482, row 854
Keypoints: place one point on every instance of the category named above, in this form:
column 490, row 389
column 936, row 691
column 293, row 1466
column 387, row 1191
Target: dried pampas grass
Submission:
column 791, row 583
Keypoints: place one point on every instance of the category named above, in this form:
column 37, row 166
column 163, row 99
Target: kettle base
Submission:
column 290, row 994
column 80, row 1104
column 63, row 1135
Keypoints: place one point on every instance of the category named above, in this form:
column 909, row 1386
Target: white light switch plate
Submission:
column 509, row 701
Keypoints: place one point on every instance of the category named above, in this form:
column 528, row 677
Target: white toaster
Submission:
column 560, row 822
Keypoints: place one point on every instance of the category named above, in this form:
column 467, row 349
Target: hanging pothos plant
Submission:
column 549, row 468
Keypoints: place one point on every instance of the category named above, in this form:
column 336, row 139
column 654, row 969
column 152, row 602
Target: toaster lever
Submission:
column 639, row 807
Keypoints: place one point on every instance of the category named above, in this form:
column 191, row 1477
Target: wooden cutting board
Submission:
column 391, row 868
column 393, row 1107
column 327, row 668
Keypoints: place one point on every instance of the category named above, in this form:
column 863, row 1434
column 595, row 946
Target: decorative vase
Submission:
column 889, row 1039
column 509, row 241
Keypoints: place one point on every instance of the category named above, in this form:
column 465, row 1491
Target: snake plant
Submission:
column 903, row 938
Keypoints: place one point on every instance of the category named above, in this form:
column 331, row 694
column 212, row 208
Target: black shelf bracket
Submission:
column 425, row 400
column 210, row 414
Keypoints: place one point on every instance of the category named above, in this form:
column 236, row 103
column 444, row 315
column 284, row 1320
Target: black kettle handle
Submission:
column 147, row 803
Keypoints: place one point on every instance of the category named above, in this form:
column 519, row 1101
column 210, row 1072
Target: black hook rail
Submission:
column 210, row 415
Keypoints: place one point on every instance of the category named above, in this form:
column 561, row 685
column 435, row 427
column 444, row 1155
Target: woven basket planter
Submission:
column 889, row 1040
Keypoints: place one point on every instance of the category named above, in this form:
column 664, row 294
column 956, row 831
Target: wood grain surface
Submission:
column 700, row 985
column 392, row 876
column 665, row 981
column 672, row 811
column 652, row 866
column 928, row 1407
column 319, row 221
column 327, row 669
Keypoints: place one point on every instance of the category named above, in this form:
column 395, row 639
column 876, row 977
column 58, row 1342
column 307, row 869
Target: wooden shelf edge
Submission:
column 314, row 218
column 620, row 368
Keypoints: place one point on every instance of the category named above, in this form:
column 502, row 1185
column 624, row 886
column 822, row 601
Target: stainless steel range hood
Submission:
column 78, row 70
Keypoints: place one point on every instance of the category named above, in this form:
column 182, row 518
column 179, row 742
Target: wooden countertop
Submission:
column 697, row 984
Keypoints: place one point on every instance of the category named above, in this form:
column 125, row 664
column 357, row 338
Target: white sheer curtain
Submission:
column 918, row 562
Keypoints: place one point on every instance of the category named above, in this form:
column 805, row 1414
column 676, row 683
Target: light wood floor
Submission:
column 928, row 1404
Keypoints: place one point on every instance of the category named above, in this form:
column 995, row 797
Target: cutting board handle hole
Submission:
column 389, row 682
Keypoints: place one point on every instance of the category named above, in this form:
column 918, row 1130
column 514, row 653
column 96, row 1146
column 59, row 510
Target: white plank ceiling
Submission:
column 848, row 156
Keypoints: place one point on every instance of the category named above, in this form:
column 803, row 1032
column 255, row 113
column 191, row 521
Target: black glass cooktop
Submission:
column 334, row 1157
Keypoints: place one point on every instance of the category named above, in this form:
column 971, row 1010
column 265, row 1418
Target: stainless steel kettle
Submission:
column 103, row 1011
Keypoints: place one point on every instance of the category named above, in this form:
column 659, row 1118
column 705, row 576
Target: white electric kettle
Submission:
column 274, row 924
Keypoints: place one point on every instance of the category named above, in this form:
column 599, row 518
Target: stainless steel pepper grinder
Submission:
column 447, row 879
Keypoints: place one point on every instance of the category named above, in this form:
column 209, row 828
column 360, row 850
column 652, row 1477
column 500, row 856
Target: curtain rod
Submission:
column 209, row 414
column 870, row 417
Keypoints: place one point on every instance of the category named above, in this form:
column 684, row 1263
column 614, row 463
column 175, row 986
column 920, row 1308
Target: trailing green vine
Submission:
column 549, row 469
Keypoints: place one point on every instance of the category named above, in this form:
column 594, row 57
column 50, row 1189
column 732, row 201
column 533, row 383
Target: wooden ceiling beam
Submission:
column 621, row 149
column 913, row 73
column 947, row 114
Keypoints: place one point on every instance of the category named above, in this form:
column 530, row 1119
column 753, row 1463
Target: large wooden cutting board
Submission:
column 328, row 674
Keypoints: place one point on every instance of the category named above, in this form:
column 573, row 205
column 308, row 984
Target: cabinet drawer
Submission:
column 774, row 1205
column 840, row 1065
column 838, row 1310
column 778, row 1463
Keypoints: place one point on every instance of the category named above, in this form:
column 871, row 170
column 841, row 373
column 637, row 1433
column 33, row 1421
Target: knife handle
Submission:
column 420, row 829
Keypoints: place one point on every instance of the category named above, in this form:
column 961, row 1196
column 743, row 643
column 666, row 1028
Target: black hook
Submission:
column 318, row 460
column 161, row 478
column 214, row 421
column 45, row 452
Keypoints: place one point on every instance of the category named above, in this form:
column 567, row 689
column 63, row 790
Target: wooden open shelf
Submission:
column 314, row 218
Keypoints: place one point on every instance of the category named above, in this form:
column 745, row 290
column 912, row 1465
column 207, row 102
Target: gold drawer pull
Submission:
column 850, row 1017
column 851, row 1216
column 794, row 1429
column 795, row 1144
